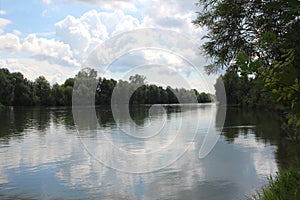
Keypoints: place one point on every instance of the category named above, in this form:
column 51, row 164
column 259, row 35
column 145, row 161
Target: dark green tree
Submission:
column 171, row 96
column 68, row 91
column 42, row 91
column 23, row 90
column 57, row 95
column 6, row 87
column 105, row 89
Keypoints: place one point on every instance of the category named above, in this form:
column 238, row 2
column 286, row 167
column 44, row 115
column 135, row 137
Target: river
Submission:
column 43, row 155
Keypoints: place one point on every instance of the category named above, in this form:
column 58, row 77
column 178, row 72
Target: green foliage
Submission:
column 259, row 39
column 203, row 97
column 293, row 123
column 257, row 28
column 6, row 87
column 85, row 87
column 42, row 91
column 69, row 82
column 283, row 79
column 57, row 95
column 18, row 91
column 23, row 90
column 104, row 91
column 244, row 91
column 153, row 94
column 284, row 186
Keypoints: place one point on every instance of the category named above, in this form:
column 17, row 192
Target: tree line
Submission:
column 16, row 90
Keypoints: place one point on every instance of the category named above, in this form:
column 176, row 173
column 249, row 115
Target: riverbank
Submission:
column 285, row 185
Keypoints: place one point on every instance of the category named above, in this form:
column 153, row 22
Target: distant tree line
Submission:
column 16, row 90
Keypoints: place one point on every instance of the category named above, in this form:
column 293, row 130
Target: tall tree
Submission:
column 42, row 91
column 258, row 37
column 258, row 29
column 85, row 86
column 6, row 87
column 22, row 94
column 68, row 91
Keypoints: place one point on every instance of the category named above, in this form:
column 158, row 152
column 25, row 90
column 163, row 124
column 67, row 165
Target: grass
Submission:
column 284, row 186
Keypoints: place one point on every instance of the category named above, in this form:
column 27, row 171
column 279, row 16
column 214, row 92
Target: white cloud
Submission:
column 9, row 43
column 47, row 1
column 2, row 12
column 49, row 48
column 3, row 23
column 170, row 14
column 169, row 6
column 161, row 68
column 47, row 56
column 162, row 57
column 92, row 28
column 80, row 35
column 75, row 33
column 104, row 4
column 33, row 68
column 126, row 23
column 107, row 4
column 17, row 32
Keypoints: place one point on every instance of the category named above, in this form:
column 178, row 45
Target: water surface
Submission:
column 43, row 156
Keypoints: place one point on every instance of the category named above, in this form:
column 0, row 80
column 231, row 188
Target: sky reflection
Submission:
column 49, row 162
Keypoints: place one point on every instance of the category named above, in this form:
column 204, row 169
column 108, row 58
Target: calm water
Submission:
column 43, row 156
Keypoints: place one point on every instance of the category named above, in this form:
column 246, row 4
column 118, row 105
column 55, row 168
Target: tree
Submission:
column 69, row 82
column 259, row 29
column 22, row 94
column 42, row 91
column 68, row 91
column 87, row 73
column 105, row 89
column 18, row 91
column 57, row 95
column 171, row 96
column 258, row 37
column 6, row 87
column 154, row 94
column 85, row 86
column 137, row 79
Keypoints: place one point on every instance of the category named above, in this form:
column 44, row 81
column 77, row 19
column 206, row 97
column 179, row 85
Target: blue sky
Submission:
column 54, row 38
column 36, row 16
